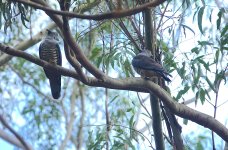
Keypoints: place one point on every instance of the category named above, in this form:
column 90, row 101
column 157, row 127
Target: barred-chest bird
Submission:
column 49, row 51
column 145, row 66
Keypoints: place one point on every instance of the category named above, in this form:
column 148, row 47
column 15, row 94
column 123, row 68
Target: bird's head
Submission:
column 51, row 35
column 145, row 52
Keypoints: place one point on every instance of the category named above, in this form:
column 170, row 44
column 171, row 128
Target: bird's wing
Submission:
column 147, row 63
column 40, row 50
column 59, row 62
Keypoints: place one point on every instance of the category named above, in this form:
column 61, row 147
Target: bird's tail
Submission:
column 166, row 78
column 55, row 84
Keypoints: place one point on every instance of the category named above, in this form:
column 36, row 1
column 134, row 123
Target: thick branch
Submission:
column 25, row 145
column 109, row 15
column 11, row 139
column 133, row 84
column 70, row 56
column 154, row 101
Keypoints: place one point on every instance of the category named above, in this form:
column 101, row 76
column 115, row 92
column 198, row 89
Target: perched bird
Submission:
column 49, row 51
column 147, row 67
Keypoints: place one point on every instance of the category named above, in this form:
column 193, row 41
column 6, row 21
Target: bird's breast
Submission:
column 50, row 54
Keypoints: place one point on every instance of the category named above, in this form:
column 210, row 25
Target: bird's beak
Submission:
column 49, row 31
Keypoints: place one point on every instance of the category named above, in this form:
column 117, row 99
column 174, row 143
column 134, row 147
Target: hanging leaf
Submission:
column 96, row 52
column 194, row 15
column 185, row 26
column 202, row 95
column 197, row 97
column 182, row 92
column 200, row 18
column 187, row 3
column 23, row 15
column 206, row 65
column 224, row 30
column 217, row 56
column 204, row 43
column 197, row 75
column 220, row 14
column 210, row 15
column 195, row 50
column 127, row 68
column 208, row 95
column 210, row 84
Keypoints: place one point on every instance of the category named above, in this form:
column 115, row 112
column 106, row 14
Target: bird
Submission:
column 147, row 67
column 49, row 51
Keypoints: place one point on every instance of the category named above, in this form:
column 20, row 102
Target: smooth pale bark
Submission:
column 154, row 100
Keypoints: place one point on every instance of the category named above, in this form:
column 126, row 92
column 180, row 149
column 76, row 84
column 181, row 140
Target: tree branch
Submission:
column 69, row 55
column 133, row 84
column 11, row 139
column 109, row 15
column 154, row 100
column 25, row 145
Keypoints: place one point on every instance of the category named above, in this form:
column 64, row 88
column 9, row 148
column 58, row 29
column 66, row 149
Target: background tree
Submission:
column 100, row 107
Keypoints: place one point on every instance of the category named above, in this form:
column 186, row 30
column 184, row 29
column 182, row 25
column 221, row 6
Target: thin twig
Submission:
column 108, row 15
column 126, row 128
column 159, row 24
column 69, row 54
column 141, row 103
column 82, row 117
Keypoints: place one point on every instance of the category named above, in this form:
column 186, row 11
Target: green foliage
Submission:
column 111, row 49
column 182, row 92
column 200, row 141
column 220, row 15
column 98, row 142
column 10, row 11
column 122, row 135
column 200, row 18
column 201, row 11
